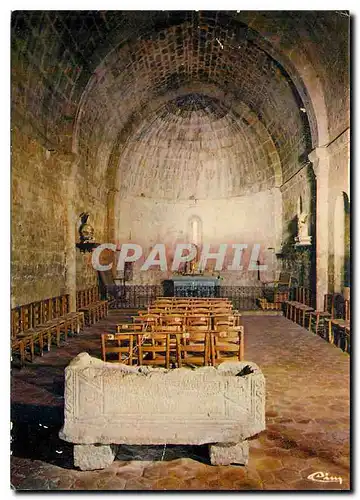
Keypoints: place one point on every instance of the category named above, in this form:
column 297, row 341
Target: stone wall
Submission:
column 86, row 88
column 339, row 194
column 46, row 204
column 38, row 221
column 300, row 262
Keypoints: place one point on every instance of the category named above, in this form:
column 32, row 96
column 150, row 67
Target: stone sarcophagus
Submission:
column 110, row 404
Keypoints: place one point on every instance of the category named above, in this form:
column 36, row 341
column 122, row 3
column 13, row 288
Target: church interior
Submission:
column 180, row 250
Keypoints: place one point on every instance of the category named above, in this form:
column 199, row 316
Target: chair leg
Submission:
column 178, row 350
column 317, row 324
column 22, row 353
column 241, row 350
column 206, row 351
column 32, row 350
column 41, row 344
column 330, row 333
column 131, row 344
column 310, row 320
column 58, row 335
column 167, row 352
column 139, row 348
column 103, row 351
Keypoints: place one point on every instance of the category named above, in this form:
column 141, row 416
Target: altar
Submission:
column 192, row 286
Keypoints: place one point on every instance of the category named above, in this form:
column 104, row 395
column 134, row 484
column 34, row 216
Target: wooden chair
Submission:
column 172, row 320
column 165, row 300
column 45, row 333
column 317, row 318
column 347, row 339
column 279, row 286
column 168, row 328
column 148, row 321
column 31, row 334
column 88, row 301
column 155, row 310
column 122, row 344
column 174, row 311
column 18, row 348
column 198, row 321
column 35, row 325
column 221, row 304
column 297, row 309
column 339, row 328
column 230, row 348
column 129, row 327
column 16, row 326
column 179, row 307
column 160, row 307
column 194, row 348
column 199, row 310
column 156, row 347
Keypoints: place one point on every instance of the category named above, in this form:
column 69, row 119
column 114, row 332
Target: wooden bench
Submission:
column 88, row 302
column 40, row 323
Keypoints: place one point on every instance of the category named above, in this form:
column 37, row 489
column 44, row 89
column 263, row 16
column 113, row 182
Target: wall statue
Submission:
column 86, row 231
column 303, row 237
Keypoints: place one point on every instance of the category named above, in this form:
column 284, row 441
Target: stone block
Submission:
column 94, row 456
column 229, row 453
column 108, row 403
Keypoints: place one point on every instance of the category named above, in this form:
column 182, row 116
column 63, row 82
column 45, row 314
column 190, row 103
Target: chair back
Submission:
column 339, row 306
column 37, row 313
column 16, row 326
column 26, row 317
column 347, row 309
column 198, row 320
column 284, row 278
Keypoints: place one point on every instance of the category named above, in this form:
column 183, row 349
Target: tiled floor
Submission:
column 307, row 410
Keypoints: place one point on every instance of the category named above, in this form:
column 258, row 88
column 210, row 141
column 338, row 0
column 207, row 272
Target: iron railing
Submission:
column 140, row 296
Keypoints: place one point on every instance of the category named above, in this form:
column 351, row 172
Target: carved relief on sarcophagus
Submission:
column 114, row 404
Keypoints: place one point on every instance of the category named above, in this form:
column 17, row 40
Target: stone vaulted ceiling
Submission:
column 209, row 103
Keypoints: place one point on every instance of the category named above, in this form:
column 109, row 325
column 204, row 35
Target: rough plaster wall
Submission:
column 246, row 219
column 295, row 260
column 195, row 148
column 38, row 222
column 40, row 228
column 339, row 183
column 90, row 196
column 85, row 274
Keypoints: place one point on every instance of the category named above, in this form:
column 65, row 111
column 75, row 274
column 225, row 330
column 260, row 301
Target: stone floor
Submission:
column 307, row 411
